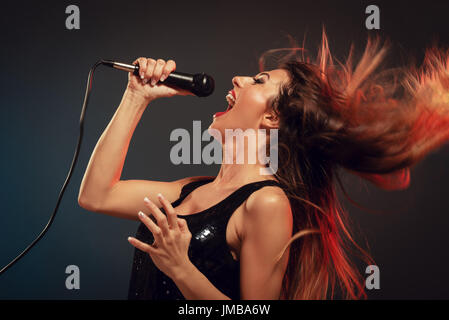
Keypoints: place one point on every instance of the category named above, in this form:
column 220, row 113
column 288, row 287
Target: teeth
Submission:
column 230, row 99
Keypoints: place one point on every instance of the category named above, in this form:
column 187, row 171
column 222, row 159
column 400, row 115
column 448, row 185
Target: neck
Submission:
column 237, row 173
column 240, row 174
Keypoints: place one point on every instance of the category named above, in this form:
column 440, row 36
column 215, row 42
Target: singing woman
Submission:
column 244, row 235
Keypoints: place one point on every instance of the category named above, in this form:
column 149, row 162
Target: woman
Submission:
column 243, row 235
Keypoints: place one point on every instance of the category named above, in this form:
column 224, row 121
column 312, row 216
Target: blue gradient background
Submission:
column 44, row 70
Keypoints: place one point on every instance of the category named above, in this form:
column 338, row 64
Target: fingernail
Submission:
column 160, row 195
column 153, row 82
column 144, row 81
column 129, row 238
column 162, row 78
column 141, row 214
column 141, row 76
column 146, row 200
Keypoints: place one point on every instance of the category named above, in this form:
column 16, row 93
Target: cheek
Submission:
column 255, row 97
column 252, row 105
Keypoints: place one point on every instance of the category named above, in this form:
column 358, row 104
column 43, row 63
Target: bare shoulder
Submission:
column 271, row 196
column 269, row 205
column 267, row 229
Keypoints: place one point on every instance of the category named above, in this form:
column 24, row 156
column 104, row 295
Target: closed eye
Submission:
column 258, row 80
column 261, row 79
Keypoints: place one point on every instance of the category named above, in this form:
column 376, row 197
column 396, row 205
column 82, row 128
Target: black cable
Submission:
column 75, row 158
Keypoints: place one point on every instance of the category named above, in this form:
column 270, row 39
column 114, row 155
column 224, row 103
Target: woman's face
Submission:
column 252, row 97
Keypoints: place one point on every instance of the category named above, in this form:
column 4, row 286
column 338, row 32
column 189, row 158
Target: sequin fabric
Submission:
column 208, row 249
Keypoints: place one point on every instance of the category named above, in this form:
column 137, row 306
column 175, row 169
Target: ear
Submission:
column 270, row 120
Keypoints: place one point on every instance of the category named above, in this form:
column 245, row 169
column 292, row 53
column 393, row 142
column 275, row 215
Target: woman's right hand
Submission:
column 150, row 73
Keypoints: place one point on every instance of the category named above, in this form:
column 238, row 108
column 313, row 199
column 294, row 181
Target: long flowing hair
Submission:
column 373, row 123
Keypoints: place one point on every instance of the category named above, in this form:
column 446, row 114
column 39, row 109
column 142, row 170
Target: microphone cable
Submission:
column 69, row 175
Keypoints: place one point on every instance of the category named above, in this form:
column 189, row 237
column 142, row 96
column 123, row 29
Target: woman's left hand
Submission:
column 169, row 251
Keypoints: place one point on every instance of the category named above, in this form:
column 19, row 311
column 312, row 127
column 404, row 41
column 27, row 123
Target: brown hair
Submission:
column 373, row 124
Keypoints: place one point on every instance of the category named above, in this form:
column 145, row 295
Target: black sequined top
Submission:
column 208, row 249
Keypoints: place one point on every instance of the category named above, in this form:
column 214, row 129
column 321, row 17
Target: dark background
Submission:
column 44, row 70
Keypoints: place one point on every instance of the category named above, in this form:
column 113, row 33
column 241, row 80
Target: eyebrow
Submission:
column 264, row 73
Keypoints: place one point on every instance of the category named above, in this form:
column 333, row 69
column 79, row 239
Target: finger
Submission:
column 142, row 66
column 149, row 70
column 169, row 67
column 157, row 71
column 160, row 217
column 171, row 214
column 185, row 93
column 154, row 229
column 142, row 245
column 182, row 223
column 183, row 226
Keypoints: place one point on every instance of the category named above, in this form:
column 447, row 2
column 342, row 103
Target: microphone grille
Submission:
column 204, row 85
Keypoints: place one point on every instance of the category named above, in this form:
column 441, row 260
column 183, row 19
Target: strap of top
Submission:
column 235, row 199
column 231, row 203
column 189, row 187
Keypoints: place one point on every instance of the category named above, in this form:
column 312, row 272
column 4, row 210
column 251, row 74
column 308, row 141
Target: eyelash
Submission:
column 258, row 80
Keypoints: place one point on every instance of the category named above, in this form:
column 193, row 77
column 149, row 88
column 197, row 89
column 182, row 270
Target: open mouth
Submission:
column 230, row 99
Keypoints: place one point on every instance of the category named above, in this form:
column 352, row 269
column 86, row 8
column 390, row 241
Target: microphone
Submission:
column 200, row 84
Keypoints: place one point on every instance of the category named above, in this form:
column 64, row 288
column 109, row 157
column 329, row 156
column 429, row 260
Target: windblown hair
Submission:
column 373, row 124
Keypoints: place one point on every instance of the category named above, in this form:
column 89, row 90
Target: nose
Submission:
column 240, row 81
column 236, row 82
